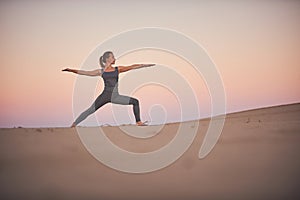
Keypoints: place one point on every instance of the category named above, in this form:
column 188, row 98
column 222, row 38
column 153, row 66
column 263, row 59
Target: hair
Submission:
column 103, row 58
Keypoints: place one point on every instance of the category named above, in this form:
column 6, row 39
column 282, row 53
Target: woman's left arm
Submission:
column 135, row 66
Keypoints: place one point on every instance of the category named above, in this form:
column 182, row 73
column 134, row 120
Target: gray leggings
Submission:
column 113, row 97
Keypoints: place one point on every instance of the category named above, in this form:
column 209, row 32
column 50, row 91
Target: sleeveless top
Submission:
column 111, row 80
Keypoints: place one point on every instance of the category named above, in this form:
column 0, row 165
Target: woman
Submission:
column 110, row 93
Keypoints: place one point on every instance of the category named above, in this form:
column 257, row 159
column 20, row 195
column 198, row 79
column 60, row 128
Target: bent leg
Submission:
column 126, row 100
column 101, row 100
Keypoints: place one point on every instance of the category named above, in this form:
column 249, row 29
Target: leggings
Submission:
column 113, row 97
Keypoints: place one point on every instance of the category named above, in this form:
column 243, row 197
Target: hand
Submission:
column 70, row 70
column 148, row 65
column 67, row 70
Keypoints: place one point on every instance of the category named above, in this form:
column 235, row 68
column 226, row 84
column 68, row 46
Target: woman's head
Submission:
column 107, row 58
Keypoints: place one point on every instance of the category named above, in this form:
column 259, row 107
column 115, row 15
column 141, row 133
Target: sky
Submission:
column 254, row 45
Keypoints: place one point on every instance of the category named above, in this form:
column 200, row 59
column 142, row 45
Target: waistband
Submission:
column 111, row 89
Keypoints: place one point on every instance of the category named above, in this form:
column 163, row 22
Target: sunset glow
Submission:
column 254, row 44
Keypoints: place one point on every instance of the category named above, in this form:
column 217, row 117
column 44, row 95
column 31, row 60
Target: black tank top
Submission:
column 111, row 80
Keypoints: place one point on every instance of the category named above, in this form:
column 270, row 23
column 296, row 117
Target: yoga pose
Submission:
column 110, row 93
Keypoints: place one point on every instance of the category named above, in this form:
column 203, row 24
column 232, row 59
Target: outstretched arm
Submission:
column 135, row 66
column 96, row 72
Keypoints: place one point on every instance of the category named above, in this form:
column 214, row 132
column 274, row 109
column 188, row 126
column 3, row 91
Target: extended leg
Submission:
column 84, row 114
column 99, row 102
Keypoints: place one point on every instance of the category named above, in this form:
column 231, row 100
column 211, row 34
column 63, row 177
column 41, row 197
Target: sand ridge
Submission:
column 256, row 157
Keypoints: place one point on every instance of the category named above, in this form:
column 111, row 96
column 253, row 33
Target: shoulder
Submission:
column 101, row 71
column 122, row 68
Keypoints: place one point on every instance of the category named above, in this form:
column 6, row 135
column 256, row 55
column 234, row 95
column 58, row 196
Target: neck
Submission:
column 108, row 66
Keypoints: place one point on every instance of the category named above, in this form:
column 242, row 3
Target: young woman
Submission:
column 110, row 93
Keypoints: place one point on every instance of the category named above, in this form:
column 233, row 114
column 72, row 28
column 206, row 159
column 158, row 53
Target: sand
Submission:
column 256, row 157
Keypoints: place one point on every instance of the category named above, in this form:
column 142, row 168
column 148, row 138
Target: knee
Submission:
column 134, row 101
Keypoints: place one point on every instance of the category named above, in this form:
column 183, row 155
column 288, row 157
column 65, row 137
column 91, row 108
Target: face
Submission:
column 111, row 59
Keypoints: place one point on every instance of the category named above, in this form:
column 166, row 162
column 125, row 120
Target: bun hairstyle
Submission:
column 103, row 58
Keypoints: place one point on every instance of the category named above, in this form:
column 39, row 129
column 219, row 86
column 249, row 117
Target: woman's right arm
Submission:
column 96, row 72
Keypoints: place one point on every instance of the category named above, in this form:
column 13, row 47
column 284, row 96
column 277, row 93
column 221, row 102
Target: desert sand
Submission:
column 256, row 157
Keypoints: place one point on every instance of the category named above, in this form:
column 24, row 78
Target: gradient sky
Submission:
column 254, row 44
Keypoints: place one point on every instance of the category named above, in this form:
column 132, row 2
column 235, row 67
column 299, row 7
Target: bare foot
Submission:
column 73, row 125
column 139, row 123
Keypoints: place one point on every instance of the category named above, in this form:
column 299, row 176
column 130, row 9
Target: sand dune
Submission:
column 256, row 157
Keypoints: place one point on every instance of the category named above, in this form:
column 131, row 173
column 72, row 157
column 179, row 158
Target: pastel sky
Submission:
column 254, row 44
